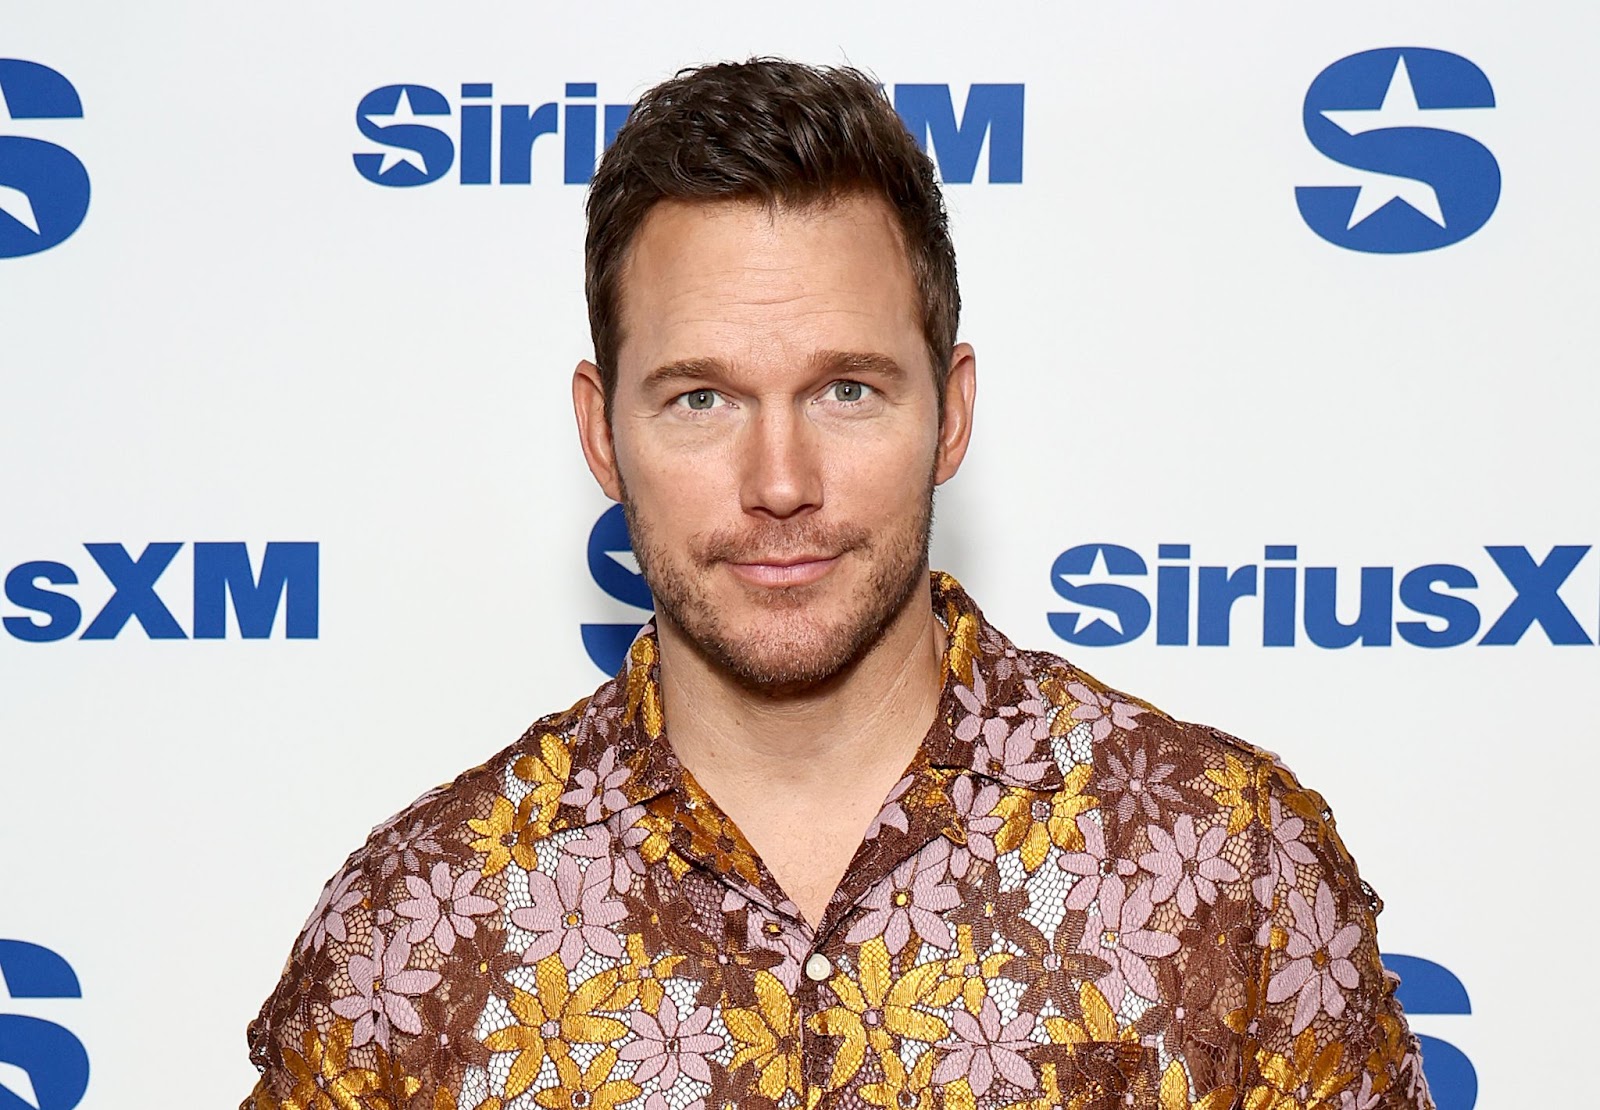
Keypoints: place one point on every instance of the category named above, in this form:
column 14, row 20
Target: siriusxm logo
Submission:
column 1392, row 114
column 44, row 189
column 1197, row 604
column 615, row 570
column 491, row 143
column 43, row 1065
column 288, row 574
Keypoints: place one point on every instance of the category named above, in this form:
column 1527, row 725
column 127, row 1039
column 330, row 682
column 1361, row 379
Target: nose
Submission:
column 780, row 463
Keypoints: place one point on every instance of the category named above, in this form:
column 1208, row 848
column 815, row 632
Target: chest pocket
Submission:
column 1091, row 1075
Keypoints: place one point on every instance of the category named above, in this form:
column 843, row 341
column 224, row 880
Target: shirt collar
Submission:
column 994, row 719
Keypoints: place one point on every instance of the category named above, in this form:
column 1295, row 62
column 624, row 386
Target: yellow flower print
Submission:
column 713, row 837
column 506, row 835
column 965, row 976
column 547, row 775
column 877, row 1009
column 1054, row 688
column 551, row 1019
column 963, row 645
column 900, row 1089
column 768, row 1036
column 323, row 1077
column 657, row 841
column 1304, row 1080
column 640, row 978
column 1099, row 1021
column 958, row 1095
column 644, row 696
column 1034, row 821
column 589, row 1089
column 1244, row 795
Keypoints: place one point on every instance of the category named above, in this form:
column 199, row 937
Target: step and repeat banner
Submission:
column 1285, row 326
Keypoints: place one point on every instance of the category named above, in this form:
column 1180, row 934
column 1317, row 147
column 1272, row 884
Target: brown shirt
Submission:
column 1069, row 900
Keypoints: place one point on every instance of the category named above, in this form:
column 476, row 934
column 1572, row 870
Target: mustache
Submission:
column 779, row 539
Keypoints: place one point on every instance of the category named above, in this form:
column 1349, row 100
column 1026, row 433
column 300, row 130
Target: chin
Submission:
column 785, row 645
column 779, row 668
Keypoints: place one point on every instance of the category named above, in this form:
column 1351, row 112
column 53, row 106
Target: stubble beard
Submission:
column 786, row 649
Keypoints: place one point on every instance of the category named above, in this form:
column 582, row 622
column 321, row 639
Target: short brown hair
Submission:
column 779, row 133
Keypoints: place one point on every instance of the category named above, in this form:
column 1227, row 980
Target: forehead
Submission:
column 732, row 279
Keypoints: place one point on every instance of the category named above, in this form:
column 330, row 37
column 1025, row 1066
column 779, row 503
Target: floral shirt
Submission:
column 1070, row 900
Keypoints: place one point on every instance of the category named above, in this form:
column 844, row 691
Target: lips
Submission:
column 785, row 570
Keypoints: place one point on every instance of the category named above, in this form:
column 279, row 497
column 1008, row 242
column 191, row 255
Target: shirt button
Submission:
column 817, row 967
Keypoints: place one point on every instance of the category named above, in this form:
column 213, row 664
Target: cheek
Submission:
column 679, row 487
column 881, row 475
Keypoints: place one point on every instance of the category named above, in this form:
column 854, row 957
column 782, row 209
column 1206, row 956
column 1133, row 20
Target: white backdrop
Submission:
column 248, row 341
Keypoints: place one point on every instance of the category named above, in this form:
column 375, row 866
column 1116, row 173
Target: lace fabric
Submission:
column 1070, row 900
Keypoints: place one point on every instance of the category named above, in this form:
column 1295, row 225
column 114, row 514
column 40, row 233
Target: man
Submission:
column 829, row 838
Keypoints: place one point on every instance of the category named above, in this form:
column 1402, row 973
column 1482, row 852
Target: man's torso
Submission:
column 1070, row 899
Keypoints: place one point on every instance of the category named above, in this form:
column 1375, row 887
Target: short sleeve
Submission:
column 1328, row 1029
column 317, row 1036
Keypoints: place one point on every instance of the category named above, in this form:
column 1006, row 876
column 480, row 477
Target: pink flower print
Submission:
column 404, row 846
column 1185, row 866
column 987, row 1049
column 444, row 906
column 1093, row 865
column 1140, row 782
column 911, row 900
column 1102, row 712
column 1116, row 933
column 570, row 913
column 327, row 919
column 1007, row 736
column 1286, row 851
column 665, row 1046
column 1319, row 960
column 598, row 788
column 974, row 810
column 617, row 850
column 384, row 988
column 1363, row 1099
column 1013, row 756
column 766, row 932
column 1410, row 1071
column 893, row 814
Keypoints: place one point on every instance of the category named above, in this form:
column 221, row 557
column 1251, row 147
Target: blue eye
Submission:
column 849, row 392
column 699, row 399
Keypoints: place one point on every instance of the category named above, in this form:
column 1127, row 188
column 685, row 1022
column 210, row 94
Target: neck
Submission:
column 864, row 722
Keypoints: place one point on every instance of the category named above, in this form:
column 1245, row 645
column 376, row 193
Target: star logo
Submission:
column 16, row 1079
column 44, row 188
column 394, row 156
column 1399, row 120
column 14, row 202
column 1099, row 573
column 1399, row 109
column 1103, row 611
column 627, row 560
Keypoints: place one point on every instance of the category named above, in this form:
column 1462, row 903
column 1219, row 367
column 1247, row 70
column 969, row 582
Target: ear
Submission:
column 594, row 430
column 960, row 392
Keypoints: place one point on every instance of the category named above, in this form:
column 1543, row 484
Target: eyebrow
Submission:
column 684, row 369
column 846, row 363
column 851, row 363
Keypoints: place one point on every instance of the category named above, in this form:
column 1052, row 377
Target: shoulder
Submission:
column 1153, row 768
column 472, row 819
column 422, row 893
column 1121, row 731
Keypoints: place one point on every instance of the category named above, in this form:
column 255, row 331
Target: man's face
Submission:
column 775, row 431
